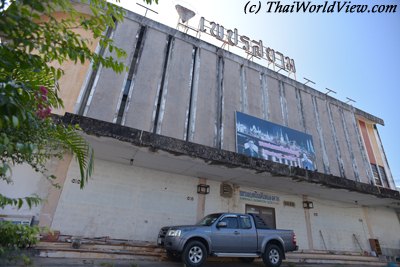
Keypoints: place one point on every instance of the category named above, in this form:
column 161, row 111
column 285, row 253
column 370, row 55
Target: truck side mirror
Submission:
column 222, row 225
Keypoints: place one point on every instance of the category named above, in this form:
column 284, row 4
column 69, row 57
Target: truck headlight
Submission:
column 174, row 233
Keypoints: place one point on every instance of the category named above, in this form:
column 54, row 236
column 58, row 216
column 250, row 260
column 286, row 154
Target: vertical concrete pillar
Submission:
column 321, row 135
column 308, row 226
column 244, row 102
column 265, row 95
column 50, row 204
column 367, row 221
column 284, row 105
column 201, row 201
column 336, row 141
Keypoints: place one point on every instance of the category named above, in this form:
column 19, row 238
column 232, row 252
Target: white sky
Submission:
column 356, row 55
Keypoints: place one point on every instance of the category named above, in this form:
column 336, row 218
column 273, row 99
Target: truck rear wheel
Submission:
column 272, row 256
column 194, row 254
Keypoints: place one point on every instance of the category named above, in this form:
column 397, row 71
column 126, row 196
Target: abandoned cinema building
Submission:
column 191, row 128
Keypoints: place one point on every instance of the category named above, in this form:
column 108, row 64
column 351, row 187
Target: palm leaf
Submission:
column 84, row 154
column 33, row 200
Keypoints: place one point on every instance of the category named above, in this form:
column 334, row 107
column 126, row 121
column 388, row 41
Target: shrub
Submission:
column 17, row 236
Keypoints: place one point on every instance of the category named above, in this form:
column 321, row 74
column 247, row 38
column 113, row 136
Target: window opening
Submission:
column 384, row 177
column 376, row 175
column 231, row 222
column 244, row 222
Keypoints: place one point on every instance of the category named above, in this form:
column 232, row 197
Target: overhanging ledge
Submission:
column 213, row 156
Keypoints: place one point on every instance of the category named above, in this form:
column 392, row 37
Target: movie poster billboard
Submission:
column 263, row 139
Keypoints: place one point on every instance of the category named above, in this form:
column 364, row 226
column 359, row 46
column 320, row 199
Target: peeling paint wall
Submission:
column 274, row 103
column 293, row 111
column 139, row 111
column 343, row 142
column 108, row 85
column 175, row 99
column 204, row 122
column 233, row 100
column 254, row 93
column 311, row 121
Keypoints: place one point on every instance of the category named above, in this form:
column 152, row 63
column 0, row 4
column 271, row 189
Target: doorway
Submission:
column 266, row 213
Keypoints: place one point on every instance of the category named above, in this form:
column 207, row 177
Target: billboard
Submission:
column 263, row 139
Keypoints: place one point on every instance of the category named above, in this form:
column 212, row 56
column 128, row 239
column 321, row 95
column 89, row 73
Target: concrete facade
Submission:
column 168, row 124
column 180, row 85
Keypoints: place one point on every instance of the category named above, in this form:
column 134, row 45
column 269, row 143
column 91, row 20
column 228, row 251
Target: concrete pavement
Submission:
column 67, row 262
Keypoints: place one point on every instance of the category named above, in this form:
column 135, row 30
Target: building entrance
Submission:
column 266, row 213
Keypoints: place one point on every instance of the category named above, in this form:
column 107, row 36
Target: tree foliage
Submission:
column 150, row 1
column 32, row 39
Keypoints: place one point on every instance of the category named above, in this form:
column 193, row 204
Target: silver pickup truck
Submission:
column 227, row 235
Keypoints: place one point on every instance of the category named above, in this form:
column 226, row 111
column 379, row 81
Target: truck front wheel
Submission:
column 272, row 256
column 194, row 254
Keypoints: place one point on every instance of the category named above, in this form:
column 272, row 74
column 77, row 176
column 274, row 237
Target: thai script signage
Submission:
column 263, row 139
column 252, row 47
column 17, row 219
column 259, row 197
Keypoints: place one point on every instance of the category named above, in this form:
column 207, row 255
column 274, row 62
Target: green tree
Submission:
column 32, row 38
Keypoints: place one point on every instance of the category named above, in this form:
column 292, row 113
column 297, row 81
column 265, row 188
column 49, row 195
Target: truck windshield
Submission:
column 209, row 219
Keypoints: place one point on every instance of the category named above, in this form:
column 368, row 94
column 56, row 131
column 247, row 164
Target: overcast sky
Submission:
column 355, row 54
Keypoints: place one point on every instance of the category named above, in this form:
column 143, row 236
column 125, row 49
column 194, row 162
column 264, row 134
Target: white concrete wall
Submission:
column 333, row 225
column 386, row 228
column 26, row 182
column 215, row 203
column 125, row 202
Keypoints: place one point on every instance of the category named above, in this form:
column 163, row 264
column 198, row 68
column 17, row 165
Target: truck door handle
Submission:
column 236, row 233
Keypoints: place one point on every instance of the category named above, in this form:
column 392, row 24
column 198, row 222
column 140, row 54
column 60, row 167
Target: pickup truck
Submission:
column 245, row 236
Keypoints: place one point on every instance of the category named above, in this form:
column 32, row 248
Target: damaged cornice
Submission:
column 214, row 156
